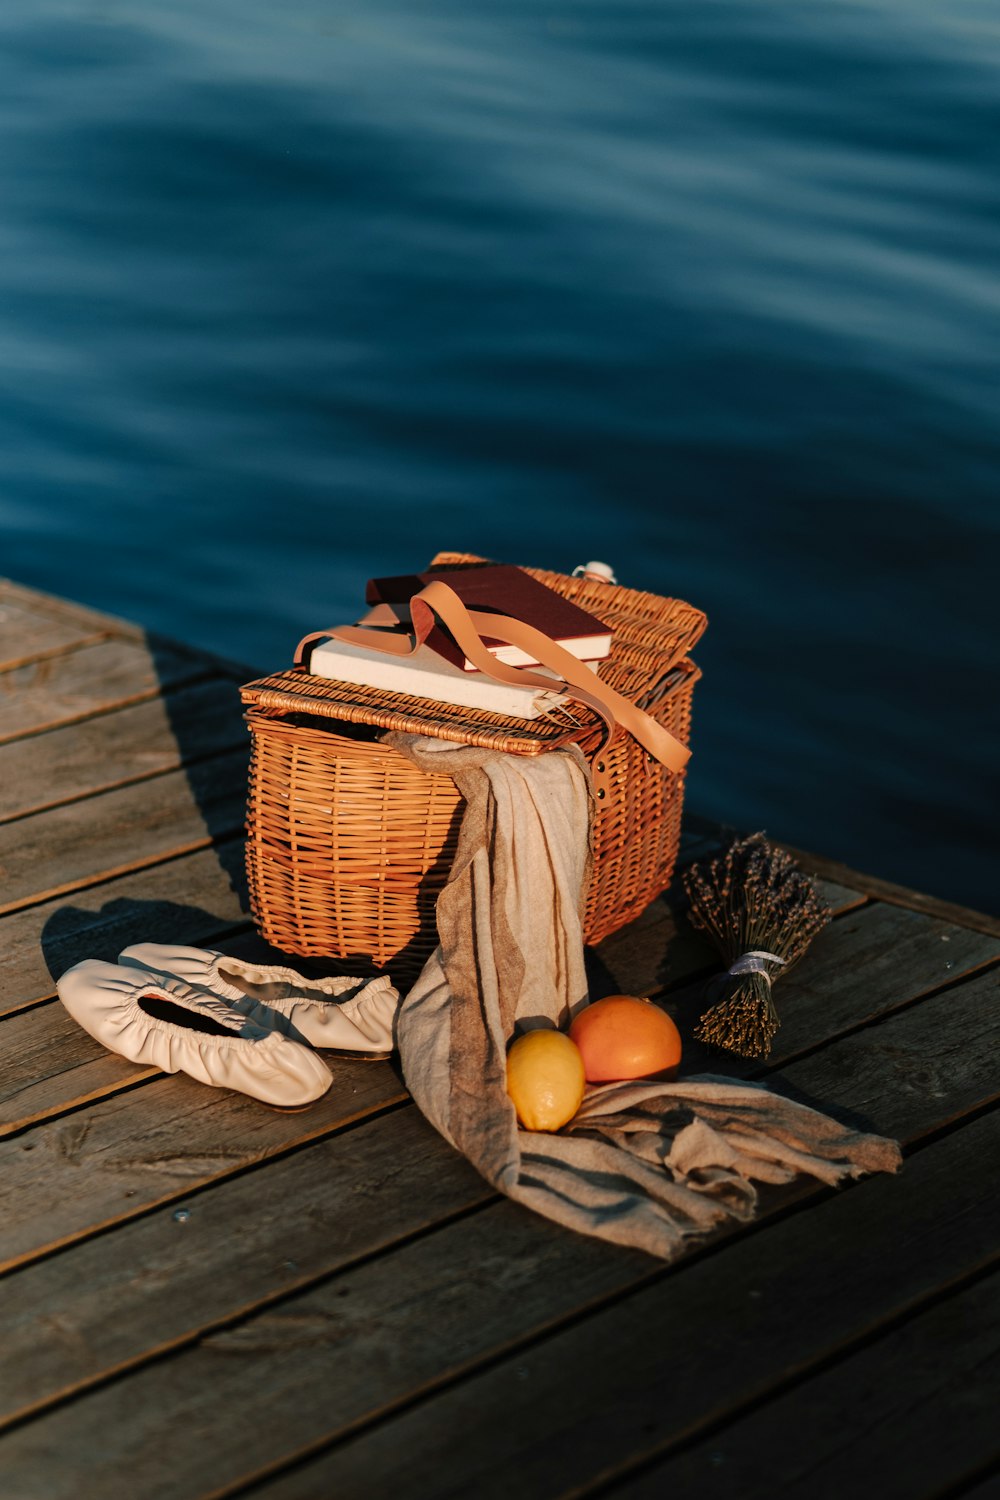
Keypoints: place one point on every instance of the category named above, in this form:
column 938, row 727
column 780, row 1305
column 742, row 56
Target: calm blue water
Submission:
column 295, row 293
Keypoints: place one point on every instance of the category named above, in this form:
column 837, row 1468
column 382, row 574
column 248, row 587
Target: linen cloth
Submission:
column 647, row 1164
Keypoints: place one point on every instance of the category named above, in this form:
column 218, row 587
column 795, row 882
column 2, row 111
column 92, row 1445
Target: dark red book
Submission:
column 500, row 590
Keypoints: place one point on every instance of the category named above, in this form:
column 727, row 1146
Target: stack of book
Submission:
column 439, row 669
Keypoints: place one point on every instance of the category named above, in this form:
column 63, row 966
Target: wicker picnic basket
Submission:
column 348, row 844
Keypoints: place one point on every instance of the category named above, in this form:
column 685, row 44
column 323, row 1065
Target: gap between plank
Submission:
column 437, row 1387
column 210, row 841
column 519, row 1346
column 200, row 674
column 80, row 1237
column 237, row 929
column 14, row 663
column 609, row 1482
column 712, row 970
column 221, row 841
column 808, row 1199
column 71, row 648
column 79, row 1105
column 952, row 982
column 215, row 1326
column 115, row 786
column 14, row 1130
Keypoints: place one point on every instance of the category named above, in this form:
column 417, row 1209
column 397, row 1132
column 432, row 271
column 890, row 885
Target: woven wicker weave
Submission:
column 348, row 844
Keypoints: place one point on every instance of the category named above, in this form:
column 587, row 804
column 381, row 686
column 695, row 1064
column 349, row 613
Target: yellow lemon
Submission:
column 545, row 1079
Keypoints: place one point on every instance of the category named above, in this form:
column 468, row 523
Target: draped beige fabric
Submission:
column 651, row 1165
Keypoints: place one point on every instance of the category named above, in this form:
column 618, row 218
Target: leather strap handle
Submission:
column 575, row 679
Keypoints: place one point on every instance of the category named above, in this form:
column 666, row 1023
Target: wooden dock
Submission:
column 203, row 1297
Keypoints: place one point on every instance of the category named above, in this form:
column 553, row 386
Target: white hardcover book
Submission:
column 585, row 648
column 425, row 674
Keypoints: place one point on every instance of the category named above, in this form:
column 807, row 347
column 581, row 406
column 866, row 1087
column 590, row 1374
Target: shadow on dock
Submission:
column 74, row 933
column 204, row 716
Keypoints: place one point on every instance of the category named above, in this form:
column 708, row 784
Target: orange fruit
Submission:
column 624, row 1037
column 545, row 1079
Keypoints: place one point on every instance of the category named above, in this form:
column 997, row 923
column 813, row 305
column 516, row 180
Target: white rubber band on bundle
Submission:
column 754, row 963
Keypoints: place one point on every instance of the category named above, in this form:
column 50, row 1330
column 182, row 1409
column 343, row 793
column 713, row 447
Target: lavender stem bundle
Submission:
column 755, row 905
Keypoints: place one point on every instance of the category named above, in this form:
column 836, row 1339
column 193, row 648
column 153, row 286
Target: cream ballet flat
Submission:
column 160, row 1020
column 348, row 1017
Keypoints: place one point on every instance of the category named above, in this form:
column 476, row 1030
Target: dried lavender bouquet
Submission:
column 761, row 912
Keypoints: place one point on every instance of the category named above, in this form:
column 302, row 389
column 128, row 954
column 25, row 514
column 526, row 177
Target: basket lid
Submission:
column 650, row 640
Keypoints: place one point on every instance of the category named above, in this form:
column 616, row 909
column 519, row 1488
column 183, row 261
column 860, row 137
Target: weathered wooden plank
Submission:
column 196, row 898
column 114, row 749
column 68, row 847
column 886, row 952
column 661, row 950
column 871, row 885
column 839, row 898
column 907, row 1417
column 867, row 963
column 642, row 1372
column 916, row 1069
column 123, row 1155
column 90, row 619
column 317, row 1209
column 555, row 1413
column 53, row 1066
column 128, row 744
column 57, row 607
column 302, row 1332
column 295, row 1220
column 92, row 679
column 29, row 630
column 191, row 899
